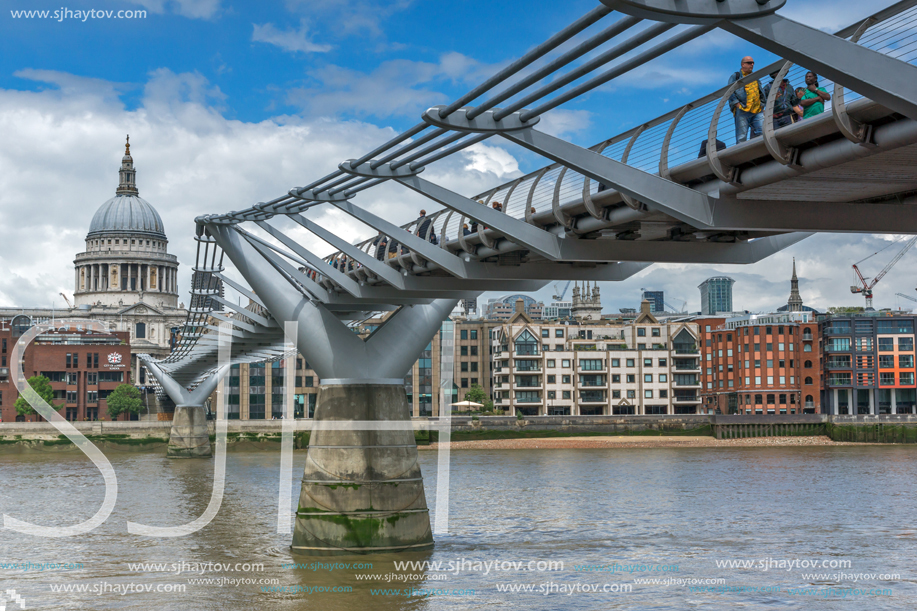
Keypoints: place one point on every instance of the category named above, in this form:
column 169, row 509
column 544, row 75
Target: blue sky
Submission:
column 229, row 103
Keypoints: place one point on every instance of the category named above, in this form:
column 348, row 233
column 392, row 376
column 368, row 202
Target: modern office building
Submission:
column 502, row 308
column 765, row 364
column 473, row 349
column 868, row 361
column 656, row 299
column 642, row 367
column 716, row 295
column 558, row 309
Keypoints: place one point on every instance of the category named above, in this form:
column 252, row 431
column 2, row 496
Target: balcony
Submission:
column 527, row 382
column 528, row 366
column 525, row 350
column 687, row 384
column 842, row 348
column 687, row 350
column 807, row 337
column 686, row 397
column 592, row 396
column 528, row 399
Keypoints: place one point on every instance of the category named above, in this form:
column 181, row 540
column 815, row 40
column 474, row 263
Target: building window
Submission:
column 526, row 344
column 552, row 379
column 641, row 332
column 906, row 377
column 631, row 378
column 631, row 362
column 140, row 332
column 550, row 363
column 615, row 362
column 615, row 378
column 464, row 366
column 69, row 360
column 655, row 332
column 647, row 362
column 648, row 377
column 558, row 332
column 464, row 382
column 663, row 394
column 565, row 379
column 906, row 344
column 308, row 381
column 552, row 394
column 565, row 394
column 565, row 363
column 616, row 394
column 463, row 350
column 663, row 377
column 463, row 334
column 473, row 350
column 647, row 394
column 591, row 364
column 906, row 361
column 631, row 394
column 474, row 366
column 886, row 379
column 545, row 333
column 474, row 334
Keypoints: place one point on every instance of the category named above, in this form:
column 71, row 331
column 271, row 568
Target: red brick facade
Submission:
column 762, row 366
column 83, row 368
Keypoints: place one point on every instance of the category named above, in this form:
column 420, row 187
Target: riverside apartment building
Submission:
column 646, row 366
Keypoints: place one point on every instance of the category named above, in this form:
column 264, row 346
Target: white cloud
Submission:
column 63, row 147
column 194, row 9
column 397, row 87
column 561, row 122
column 289, row 40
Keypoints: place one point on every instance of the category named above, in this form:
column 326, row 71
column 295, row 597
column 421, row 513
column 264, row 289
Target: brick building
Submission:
column 83, row 366
column 761, row 364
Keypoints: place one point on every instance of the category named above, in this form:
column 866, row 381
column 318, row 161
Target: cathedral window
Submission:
column 140, row 332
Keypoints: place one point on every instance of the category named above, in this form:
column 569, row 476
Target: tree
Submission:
column 42, row 386
column 476, row 394
column 124, row 398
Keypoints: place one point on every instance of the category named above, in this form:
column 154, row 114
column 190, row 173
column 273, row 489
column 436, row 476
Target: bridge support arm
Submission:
column 190, row 436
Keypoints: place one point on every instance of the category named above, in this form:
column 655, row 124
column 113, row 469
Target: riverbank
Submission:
column 629, row 442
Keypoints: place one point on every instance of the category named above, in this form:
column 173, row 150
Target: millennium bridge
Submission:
column 665, row 191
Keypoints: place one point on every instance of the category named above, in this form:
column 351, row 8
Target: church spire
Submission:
column 127, row 184
column 794, row 304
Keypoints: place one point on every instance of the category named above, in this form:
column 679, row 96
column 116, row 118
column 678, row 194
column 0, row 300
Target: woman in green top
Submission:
column 813, row 100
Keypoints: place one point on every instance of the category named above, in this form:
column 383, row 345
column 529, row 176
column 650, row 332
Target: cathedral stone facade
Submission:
column 126, row 277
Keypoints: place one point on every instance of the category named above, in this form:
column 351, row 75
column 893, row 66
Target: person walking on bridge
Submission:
column 747, row 103
column 423, row 225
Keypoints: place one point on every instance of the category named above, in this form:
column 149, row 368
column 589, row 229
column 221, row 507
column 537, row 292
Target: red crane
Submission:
column 866, row 286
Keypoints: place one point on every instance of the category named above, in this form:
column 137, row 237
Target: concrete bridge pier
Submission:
column 362, row 490
column 190, row 437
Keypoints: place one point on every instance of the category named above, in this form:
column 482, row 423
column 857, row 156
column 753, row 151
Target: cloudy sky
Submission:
column 231, row 103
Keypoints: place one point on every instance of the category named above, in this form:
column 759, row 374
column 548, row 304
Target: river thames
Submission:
column 660, row 528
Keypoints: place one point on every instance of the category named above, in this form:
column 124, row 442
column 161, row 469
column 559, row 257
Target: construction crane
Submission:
column 681, row 310
column 865, row 286
column 908, row 297
column 67, row 300
column 560, row 295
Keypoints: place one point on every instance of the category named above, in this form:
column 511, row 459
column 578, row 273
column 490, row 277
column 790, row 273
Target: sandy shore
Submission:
column 561, row 443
